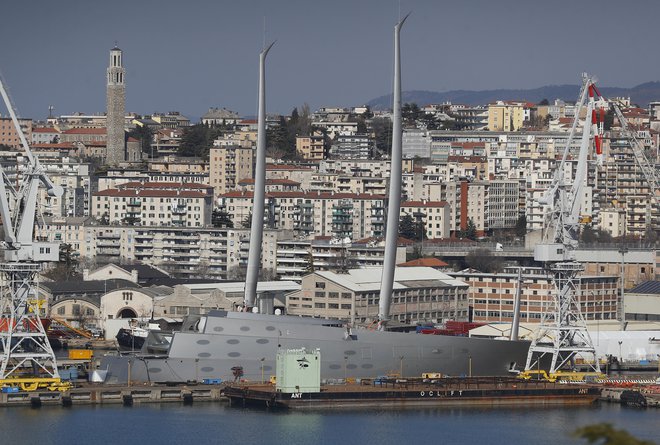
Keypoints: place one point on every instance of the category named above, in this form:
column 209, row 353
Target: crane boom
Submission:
column 18, row 228
column 650, row 173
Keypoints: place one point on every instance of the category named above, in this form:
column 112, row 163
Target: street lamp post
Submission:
column 620, row 355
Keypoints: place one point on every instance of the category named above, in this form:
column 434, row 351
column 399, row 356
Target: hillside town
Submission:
column 154, row 221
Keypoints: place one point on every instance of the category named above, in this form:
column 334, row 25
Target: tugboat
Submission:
column 133, row 337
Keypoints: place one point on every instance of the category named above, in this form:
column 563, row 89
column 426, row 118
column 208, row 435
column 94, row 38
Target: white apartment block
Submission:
column 435, row 215
column 353, row 146
column 45, row 135
column 73, row 176
column 184, row 252
column 154, row 204
column 416, row 143
column 310, row 214
column 503, row 204
column 295, row 258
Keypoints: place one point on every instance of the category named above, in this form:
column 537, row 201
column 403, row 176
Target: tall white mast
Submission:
column 394, row 198
column 257, row 223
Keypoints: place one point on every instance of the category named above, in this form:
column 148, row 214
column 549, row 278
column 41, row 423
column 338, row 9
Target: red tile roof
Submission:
column 152, row 193
column 468, row 159
column 304, row 195
column 163, row 185
column 273, row 181
column 424, row 262
column 85, row 131
column 58, row 146
column 44, row 130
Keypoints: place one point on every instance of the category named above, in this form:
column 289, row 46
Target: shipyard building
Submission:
column 420, row 294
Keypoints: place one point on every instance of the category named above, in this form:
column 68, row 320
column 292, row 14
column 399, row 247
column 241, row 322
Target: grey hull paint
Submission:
column 251, row 341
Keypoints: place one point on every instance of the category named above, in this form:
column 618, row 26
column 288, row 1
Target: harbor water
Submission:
column 213, row 423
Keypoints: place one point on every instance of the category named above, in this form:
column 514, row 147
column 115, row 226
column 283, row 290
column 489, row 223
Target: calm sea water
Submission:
column 214, row 423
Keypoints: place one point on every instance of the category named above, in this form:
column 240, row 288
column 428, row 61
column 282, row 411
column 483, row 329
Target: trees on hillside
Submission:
column 145, row 135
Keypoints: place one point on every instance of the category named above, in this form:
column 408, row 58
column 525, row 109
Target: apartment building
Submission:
column 300, row 173
column 172, row 120
column 507, row 115
column 352, row 146
column 67, row 172
column 185, row 252
column 8, row 134
column 311, row 147
column 310, row 214
column 416, row 143
column 93, row 134
column 470, row 118
column 621, row 184
column 44, row 135
column 434, row 215
column 298, row 257
column 228, row 165
column 155, row 204
column 220, row 116
column 504, row 204
column 421, row 294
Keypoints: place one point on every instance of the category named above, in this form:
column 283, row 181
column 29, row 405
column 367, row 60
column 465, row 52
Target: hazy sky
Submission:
column 195, row 54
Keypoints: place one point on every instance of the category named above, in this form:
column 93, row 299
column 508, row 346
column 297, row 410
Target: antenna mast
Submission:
column 257, row 222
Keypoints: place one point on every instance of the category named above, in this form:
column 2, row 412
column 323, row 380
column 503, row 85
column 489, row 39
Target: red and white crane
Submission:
column 562, row 335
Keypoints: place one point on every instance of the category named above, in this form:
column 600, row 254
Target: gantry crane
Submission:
column 27, row 360
column 563, row 334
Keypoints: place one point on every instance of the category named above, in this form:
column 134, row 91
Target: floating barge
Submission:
column 402, row 393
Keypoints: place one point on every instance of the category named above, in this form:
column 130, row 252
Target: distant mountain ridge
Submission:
column 641, row 95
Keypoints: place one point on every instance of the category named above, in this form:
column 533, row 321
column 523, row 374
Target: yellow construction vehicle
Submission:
column 35, row 384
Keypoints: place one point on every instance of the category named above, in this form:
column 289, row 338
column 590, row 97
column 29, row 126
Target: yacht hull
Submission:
column 229, row 341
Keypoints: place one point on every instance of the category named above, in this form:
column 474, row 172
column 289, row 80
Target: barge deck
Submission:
column 404, row 393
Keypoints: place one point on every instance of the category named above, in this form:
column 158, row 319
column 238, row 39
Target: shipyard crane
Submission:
column 27, row 360
column 562, row 333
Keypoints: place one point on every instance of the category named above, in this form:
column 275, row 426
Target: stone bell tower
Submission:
column 116, row 109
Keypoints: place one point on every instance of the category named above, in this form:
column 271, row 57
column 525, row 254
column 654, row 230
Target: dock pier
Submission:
column 107, row 394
